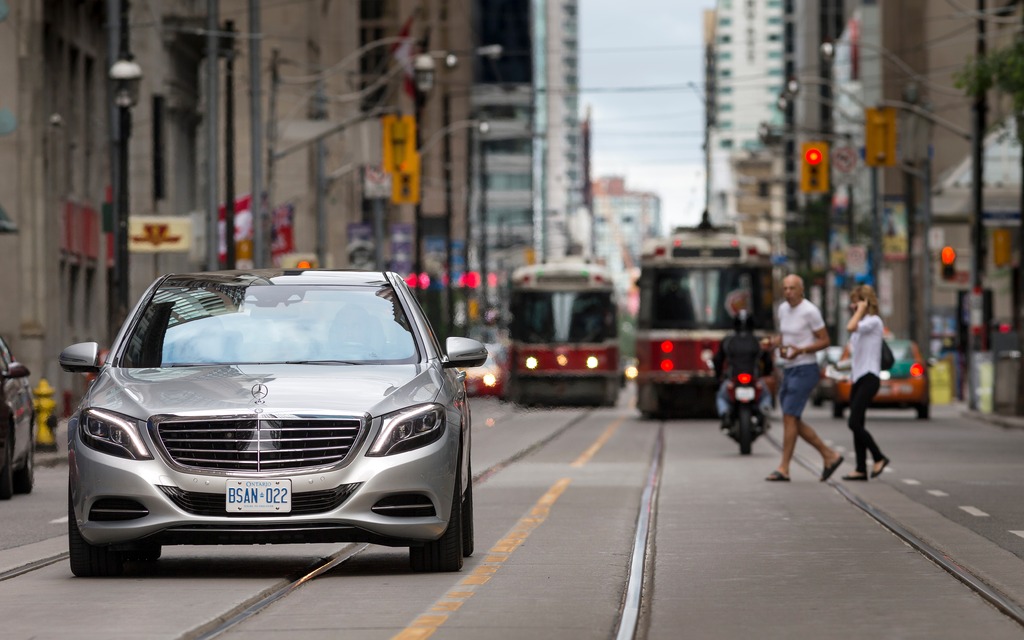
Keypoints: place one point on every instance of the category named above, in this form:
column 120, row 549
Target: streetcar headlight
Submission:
column 631, row 372
column 408, row 429
column 490, row 380
column 531, row 363
column 113, row 433
column 562, row 360
column 592, row 362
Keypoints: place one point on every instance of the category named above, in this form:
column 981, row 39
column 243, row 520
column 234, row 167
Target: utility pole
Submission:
column 450, row 287
column 259, row 242
column 229, row 144
column 977, row 229
column 212, row 104
column 320, row 113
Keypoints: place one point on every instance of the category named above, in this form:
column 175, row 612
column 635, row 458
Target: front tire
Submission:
column 745, row 429
column 837, row 410
column 468, row 536
column 445, row 553
column 25, row 477
column 90, row 561
column 7, row 470
column 922, row 411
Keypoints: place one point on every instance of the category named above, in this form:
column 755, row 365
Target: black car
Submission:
column 17, row 426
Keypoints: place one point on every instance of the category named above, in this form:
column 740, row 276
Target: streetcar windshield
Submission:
column 704, row 297
column 562, row 316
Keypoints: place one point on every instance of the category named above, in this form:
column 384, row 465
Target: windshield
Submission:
column 704, row 297
column 213, row 323
column 562, row 316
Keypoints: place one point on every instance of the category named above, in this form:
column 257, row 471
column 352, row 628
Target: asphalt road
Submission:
column 731, row 555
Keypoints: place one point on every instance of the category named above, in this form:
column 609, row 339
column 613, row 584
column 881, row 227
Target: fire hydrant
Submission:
column 45, row 420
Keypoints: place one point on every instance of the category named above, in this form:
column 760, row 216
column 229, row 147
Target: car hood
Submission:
column 286, row 389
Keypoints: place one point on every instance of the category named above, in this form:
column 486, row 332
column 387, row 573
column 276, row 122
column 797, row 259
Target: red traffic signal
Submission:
column 813, row 156
column 948, row 258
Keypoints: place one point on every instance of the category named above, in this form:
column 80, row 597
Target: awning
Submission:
column 6, row 224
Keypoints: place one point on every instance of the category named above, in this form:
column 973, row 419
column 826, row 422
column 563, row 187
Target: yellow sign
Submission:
column 399, row 142
column 880, row 137
column 159, row 234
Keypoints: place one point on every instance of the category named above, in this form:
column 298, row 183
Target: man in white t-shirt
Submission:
column 801, row 333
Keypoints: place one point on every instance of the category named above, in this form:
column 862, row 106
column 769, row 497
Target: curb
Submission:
column 1006, row 422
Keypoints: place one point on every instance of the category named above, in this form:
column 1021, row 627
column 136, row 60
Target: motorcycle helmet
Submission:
column 742, row 322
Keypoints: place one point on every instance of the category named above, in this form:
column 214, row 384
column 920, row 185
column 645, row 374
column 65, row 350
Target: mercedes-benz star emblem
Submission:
column 259, row 392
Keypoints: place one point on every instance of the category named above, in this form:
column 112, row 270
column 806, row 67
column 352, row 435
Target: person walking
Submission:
column 865, row 350
column 801, row 334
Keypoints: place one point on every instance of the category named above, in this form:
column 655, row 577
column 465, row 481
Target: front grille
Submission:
column 213, row 504
column 116, row 509
column 259, row 445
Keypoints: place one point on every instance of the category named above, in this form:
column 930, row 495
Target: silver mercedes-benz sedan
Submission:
column 272, row 406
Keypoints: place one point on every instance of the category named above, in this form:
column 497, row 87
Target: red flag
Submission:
column 402, row 52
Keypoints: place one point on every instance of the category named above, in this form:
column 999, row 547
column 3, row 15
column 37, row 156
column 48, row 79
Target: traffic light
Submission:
column 401, row 158
column 880, row 136
column 814, row 167
column 948, row 258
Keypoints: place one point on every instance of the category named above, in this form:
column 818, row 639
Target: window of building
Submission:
column 725, row 55
column 725, row 143
column 724, row 21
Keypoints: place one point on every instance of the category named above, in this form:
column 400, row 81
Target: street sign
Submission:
column 159, row 234
column 376, row 183
column 844, row 159
column 856, row 260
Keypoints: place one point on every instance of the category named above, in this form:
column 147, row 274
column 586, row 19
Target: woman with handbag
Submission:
column 866, row 343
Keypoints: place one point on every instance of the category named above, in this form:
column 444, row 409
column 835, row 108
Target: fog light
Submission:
column 531, row 363
column 592, row 362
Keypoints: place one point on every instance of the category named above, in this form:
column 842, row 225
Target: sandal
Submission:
column 855, row 476
column 777, row 476
column 884, row 462
column 830, row 469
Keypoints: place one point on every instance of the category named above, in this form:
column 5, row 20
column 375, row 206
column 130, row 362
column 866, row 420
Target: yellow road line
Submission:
column 594, row 448
column 425, row 625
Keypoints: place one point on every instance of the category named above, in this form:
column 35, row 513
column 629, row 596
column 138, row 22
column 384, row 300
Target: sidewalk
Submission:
column 1007, row 422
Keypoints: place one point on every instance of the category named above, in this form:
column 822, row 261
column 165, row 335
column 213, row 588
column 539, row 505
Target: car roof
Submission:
column 262, row 277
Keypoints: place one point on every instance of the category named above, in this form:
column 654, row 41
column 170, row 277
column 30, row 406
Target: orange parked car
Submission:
column 905, row 385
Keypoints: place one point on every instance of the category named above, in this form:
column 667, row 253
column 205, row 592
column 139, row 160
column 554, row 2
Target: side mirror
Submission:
column 83, row 357
column 464, row 352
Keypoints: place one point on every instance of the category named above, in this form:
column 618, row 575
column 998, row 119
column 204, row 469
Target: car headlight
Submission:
column 113, row 433
column 490, row 380
column 408, row 429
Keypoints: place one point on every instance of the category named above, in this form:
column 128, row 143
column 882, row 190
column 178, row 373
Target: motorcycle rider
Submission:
column 740, row 352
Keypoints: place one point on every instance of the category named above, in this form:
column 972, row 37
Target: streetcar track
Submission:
column 32, row 566
column 261, row 601
column 993, row 596
column 640, row 560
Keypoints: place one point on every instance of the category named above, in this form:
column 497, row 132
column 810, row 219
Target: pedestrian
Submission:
column 802, row 333
column 865, row 351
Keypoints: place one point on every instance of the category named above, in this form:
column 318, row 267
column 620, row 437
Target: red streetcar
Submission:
column 692, row 284
column 564, row 335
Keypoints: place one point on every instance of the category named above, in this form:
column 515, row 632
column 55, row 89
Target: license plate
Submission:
column 884, row 391
column 259, row 496
column 744, row 394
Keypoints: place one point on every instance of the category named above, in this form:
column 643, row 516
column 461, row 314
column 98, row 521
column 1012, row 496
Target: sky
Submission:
column 638, row 59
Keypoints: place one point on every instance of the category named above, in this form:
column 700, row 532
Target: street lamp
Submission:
column 423, row 73
column 125, row 74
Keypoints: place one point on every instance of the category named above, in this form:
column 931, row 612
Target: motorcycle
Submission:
column 745, row 420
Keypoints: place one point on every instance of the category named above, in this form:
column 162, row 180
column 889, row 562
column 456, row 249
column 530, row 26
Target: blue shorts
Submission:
column 797, row 384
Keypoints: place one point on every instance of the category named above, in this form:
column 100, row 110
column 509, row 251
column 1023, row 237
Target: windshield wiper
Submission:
column 322, row 362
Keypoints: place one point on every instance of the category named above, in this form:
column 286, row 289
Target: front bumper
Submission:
column 341, row 499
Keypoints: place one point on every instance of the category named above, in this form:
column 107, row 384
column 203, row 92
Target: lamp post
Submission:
column 423, row 80
column 125, row 74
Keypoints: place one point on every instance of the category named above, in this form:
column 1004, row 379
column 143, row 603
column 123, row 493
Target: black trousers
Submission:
column 864, row 389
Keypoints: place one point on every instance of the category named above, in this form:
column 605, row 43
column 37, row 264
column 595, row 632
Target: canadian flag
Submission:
column 402, row 51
